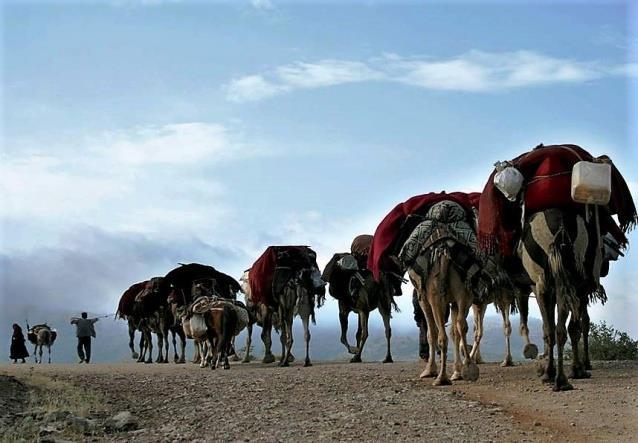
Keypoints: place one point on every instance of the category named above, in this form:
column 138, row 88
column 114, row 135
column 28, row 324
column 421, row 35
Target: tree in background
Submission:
column 606, row 343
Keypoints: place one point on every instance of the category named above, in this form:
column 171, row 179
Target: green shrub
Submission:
column 606, row 343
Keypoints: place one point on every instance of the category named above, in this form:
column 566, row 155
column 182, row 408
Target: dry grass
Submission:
column 48, row 395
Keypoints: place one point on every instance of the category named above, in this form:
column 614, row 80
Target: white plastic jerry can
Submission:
column 591, row 183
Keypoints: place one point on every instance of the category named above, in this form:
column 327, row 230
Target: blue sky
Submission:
column 139, row 134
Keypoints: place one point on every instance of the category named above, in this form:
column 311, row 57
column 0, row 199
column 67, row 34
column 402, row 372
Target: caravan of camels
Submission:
column 548, row 222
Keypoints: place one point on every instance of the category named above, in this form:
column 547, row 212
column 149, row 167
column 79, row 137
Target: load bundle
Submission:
column 274, row 268
column 347, row 273
column 557, row 176
column 34, row 331
column 178, row 283
column 397, row 227
column 206, row 304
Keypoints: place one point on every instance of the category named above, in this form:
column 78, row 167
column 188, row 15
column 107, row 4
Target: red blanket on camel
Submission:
column 547, row 176
column 262, row 273
column 388, row 230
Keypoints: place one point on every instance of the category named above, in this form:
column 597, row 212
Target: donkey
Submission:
column 41, row 335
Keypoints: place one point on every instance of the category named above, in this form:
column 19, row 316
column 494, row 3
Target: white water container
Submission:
column 591, row 183
column 508, row 180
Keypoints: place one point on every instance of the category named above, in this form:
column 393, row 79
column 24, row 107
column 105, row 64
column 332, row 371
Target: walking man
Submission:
column 84, row 330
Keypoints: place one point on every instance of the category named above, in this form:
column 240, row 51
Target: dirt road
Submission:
column 358, row 402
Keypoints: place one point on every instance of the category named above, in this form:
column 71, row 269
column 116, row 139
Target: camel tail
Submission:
column 558, row 250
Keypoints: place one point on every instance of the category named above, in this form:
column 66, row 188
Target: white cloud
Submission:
column 262, row 4
column 146, row 179
column 170, row 144
column 251, row 88
column 299, row 75
column 474, row 71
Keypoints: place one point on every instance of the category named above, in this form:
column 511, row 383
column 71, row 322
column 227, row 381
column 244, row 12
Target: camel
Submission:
column 354, row 287
column 261, row 315
column 145, row 311
column 41, row 335
column 289, row 282
column 442, row 262
column 506, row 301
column 557, row 229
column 555, row 257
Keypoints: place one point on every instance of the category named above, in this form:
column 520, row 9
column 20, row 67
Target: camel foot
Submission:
column 428, row 373
column 456, row 376
column 579, row 373
column 507, row 363
column 149, row 361
column 562, row 384
column 284, row 364
column 226, row 366
column 356, row 359
column 470, row 372
column 246, row 360
column 588, row 366
column 388, row 359
column 307, row 363
column 181, row 361
column 440, row 381
column 291, row 358
column 530, row 351
column 135, row 356
column 235, row 357
column 353, row 350
column 268, row 358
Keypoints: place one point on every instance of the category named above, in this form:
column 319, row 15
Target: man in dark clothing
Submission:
column 18, row 348
column 84, row 331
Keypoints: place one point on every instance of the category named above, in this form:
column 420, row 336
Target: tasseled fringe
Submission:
column 487, row 242
column 599, row 295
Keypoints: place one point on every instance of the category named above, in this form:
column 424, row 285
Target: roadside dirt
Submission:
column 355, row 402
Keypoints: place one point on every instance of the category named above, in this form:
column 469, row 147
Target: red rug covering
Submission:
column 125, row 306
column 389, row 228
column 262, row 272
column 500, row 220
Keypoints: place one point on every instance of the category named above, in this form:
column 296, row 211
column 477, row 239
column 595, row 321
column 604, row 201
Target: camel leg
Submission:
column 249, row 339
column 306, row 330
column 470, row 368
column 266, row 338
column 131, row 340
column 385, row 311
column 507, row 330
column 149, row 343
column 561, row 383
column 456, row 343
column 232, row 346
column 174, row 339
column 424, row 347
column 343, row 321
column 546, row 305
column 160, row 345
column 530, row 350
column 439, row 319
column 282, row 338
column 585, row 324
column 430, row 366
column 479, row 316
column 40, row 355
column 363, row 335
column 287, row 320
column 182, row 344
column 142, row 346
column 578, row 368
column 49, row 349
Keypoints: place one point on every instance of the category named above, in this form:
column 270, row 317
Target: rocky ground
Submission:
column 329, row 401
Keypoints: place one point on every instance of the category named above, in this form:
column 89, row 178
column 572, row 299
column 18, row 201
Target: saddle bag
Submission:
column 591, row 183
